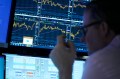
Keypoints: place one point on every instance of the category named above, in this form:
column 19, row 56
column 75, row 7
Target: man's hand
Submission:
column 63, row 56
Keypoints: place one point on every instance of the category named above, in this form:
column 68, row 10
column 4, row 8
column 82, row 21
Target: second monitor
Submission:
column 27, row 67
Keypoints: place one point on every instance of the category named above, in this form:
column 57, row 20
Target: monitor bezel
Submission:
column 28, row 50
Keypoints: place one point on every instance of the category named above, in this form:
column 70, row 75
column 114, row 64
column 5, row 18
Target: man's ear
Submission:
column 104, row 29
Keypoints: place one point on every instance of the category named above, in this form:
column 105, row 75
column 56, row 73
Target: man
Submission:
column 102, row 35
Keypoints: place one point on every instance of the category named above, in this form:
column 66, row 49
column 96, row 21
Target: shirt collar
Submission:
column 115, row 42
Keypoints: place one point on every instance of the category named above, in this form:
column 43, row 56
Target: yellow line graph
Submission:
column 23, row 25
column 79, row 5
column 51, row 28
column 28, row 27
column 54, row 4
column 59, row 5
column 57, row 28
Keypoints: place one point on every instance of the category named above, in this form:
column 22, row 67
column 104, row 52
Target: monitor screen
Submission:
column 2, row 65
column 5, row 7
column 26, row 67
column 37, row 23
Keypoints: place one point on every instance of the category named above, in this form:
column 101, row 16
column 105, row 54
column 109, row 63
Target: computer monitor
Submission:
column 27, row 67
column 5, row 16
column 37, row 23
column 2, row 67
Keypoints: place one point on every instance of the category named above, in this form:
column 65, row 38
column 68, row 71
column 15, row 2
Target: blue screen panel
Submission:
column 5, row 6
column 2, row 65
column 37, row 23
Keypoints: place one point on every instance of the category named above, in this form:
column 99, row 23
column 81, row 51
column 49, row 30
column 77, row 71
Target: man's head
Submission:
column 100, row 21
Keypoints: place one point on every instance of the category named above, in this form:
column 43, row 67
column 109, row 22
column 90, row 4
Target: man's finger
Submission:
column 71, row 46
column 60, row 39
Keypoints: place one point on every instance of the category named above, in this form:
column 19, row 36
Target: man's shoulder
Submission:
column 109, row 52
column 105, row 62
column 105, row 54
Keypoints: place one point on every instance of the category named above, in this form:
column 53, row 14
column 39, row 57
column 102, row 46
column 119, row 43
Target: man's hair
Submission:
column 108, row 11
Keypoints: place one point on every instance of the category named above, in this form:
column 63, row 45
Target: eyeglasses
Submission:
column 84, row 28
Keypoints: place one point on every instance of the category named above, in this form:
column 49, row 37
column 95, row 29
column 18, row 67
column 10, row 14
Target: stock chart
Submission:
column 37, row 23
